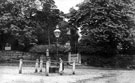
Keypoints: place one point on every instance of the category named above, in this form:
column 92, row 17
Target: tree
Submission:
column 47, row 19
column 106, row 25
column 25, row 22
column 73, row 31
column 15, row 27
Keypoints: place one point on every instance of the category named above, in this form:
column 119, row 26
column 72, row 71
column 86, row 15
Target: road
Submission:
column 116, row 76
column 9, row 74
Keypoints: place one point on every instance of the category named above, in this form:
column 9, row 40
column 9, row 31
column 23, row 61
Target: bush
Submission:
column 123, row 61
column 119, row 61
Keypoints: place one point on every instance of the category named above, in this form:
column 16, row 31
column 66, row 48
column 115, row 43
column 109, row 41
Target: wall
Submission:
column 16, row 55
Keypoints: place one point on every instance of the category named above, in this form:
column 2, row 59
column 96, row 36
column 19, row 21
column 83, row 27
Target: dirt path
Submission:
column 9, row 74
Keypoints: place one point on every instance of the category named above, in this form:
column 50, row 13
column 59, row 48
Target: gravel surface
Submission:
column 9, row 74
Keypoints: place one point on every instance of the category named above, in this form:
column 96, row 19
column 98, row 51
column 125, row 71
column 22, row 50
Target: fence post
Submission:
column 47, row 67
column 61, row 68
column 36, row 65
column 69, row 57
column 41, row 64
column 73, row 67
column 20, row 66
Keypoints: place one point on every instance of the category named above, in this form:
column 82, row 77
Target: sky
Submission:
column 65, row 5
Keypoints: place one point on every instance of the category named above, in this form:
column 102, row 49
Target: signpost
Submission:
column 7, row 47
column 74, row 57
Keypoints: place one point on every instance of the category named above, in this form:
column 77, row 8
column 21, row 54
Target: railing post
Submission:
column 36, row 65
column 61, row 68
column 20, row 66
column 47, row 67
column 73, row 67
column 69, row 57
column 41, row 64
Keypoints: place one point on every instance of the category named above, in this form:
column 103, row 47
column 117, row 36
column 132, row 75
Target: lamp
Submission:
column 57, row 33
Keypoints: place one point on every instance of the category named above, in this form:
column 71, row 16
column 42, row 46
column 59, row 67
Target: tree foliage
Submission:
column 27, row 22
column 105, row 24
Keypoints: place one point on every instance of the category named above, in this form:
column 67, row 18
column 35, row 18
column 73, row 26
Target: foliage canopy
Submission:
column 106, row 25
column 24, row 22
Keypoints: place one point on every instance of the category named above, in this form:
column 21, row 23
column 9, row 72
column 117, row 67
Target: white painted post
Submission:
column 36, row 65
column 60, row 69
column 41, row 64
column 73, row 67
column 69, row 57
column 79, row 56
column 47, row 52
column 47, row 68
column 20, row 66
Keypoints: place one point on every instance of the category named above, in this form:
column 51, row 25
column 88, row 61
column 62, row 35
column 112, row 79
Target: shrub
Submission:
column 119, row 61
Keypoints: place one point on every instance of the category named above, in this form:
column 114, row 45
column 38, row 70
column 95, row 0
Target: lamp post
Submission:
column 57, row 33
